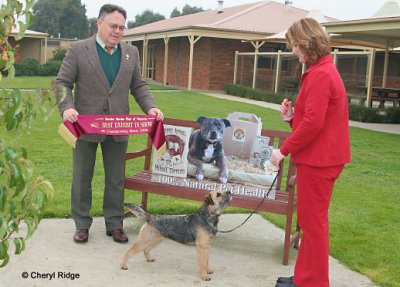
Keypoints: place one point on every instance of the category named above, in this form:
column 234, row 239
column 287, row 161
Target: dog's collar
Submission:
column 214, row 143
column 210, row 220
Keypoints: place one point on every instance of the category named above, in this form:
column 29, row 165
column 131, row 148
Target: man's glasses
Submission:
column 115, row 27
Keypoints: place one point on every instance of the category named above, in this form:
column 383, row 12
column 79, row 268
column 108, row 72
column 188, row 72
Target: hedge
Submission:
column 356, row 112
column 31, row 67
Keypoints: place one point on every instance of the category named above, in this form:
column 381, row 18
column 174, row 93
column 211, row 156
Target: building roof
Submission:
column 381, row 30
column 263, row 18
column 281, row 36
column 30, row 33
column 384, row 31
column 389, row 9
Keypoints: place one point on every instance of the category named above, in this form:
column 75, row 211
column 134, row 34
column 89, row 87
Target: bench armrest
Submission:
column 136, row 154
column 292, row 181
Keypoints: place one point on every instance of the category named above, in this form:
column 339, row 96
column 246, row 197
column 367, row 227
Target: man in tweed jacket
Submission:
column 96, row 77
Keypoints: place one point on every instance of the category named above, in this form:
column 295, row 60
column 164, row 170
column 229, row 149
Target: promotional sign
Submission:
column 234, row 188
column 173, row 160
column 121, row 125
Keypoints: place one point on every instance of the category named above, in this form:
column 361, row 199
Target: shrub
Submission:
column 357, row 113
column 50, row 69
column 393, row 115
column 59, row 54
column 28, row 67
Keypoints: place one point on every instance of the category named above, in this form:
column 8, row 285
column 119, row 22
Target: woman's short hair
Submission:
column 109, row 8
column 310, row 37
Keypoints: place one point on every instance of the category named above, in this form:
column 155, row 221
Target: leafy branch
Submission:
column 22, row 195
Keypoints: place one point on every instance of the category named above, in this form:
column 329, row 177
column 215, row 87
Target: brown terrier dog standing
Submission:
column 197, row 228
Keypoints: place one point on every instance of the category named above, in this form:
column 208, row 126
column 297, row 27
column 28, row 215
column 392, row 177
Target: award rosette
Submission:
column 121, row 125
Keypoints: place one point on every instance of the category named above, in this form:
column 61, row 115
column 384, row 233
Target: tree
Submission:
column 147, row 16
column 44, row 21
column 175, row 13
column 22, row 195
column 67, row 18
column 186, row 10
column 92, row 26
column 73, row 20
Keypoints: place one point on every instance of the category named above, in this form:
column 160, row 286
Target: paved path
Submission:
column 248, row 257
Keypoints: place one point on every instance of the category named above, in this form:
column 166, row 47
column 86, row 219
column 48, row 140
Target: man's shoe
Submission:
column 285, row 279
column 81, row 235
column 118, row 235
column 285, row 285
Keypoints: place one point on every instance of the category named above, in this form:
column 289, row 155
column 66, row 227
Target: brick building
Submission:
column 198, row 51
column 36, row 45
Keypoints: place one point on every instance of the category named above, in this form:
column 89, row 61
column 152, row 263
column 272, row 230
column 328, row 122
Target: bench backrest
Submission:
column 277, row 138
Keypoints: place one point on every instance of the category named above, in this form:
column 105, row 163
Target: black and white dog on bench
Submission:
column 205, row 146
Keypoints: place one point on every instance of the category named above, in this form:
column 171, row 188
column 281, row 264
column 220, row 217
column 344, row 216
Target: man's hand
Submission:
column 156, row 112
column 70, row 115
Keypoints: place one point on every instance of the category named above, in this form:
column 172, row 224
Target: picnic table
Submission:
column 386, row 94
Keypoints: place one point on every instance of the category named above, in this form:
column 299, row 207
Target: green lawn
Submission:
column 364, row 214
column 27, row 82
column 45, row 83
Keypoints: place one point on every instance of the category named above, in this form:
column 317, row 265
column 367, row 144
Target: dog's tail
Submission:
column 137, row 211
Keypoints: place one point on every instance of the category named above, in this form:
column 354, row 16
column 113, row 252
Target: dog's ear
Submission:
column 208, row 199
column 201, row 120
column 227, row 123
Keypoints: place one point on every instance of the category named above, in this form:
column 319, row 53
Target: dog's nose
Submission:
column 214, row 134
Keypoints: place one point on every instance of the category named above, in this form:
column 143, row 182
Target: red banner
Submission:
column 121, row 125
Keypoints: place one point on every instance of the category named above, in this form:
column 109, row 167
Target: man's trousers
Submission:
column 84, row 158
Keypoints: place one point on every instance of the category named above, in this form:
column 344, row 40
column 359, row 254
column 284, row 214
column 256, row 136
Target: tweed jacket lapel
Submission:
column 94, row 60
column 123, row 66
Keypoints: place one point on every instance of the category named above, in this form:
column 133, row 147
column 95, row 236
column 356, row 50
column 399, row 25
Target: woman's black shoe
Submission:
column 285, row 285
column 285, row 279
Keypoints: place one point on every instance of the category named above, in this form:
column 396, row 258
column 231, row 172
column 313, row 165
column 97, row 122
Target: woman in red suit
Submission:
column 319, row 145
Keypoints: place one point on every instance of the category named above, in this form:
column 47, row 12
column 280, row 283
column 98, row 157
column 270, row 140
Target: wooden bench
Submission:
column 285, row 202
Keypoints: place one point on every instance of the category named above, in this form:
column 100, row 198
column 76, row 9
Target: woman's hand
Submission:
column 276, row 157
column 286, row 110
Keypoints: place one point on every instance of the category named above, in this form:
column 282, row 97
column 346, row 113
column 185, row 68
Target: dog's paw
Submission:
column 209, row 271
column 223, row 179
column 124, row 267
column 205, row 278
column 150, row 260
column 200, row 176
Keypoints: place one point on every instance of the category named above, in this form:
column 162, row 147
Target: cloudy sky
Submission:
column 340, row 9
